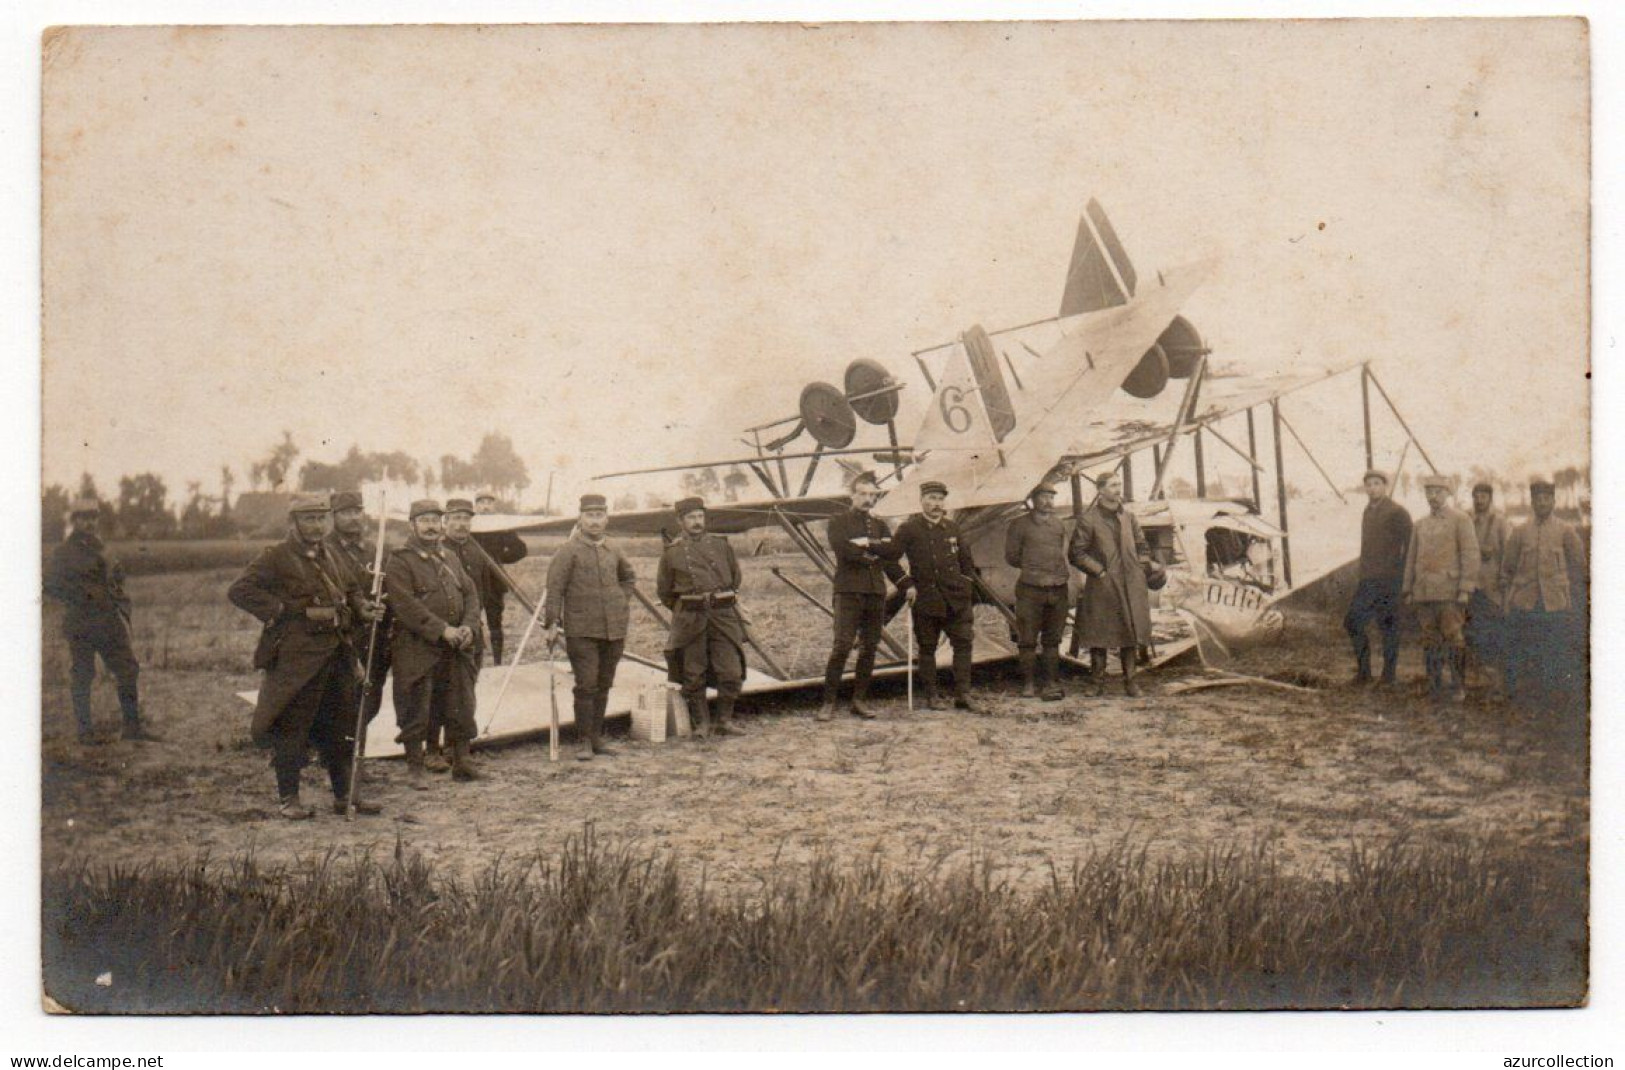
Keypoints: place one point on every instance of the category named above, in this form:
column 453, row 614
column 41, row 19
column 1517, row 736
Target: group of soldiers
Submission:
column 1510, row 601
column 336, row 625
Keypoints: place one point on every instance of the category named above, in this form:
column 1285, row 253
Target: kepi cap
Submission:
column 593, row 501
column 1543, row 484
column 933, row 486
column 459, row 505
column 424, row 507
column 346, row 499
column 1375, row 473
column 1044, row 486
column 1440, row 482
column 84, row 505
column 1485, row 487
column 308, row 503
column 685, row 506
column 484, row 493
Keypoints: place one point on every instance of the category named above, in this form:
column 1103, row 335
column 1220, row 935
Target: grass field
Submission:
column 1378, row 851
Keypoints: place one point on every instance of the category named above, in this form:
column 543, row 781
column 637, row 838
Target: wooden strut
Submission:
column 1365, row 409
column 1187, row 405
column 1371, row 375
column 885, row 636
column 1252, row 457
column 1280, row 493
column 1301, row 445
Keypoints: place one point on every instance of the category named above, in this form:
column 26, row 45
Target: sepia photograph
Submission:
column 833, row 518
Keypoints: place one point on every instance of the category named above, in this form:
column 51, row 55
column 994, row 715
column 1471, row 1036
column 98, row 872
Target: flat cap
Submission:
column 346, row 499
column 84, row 505
column 593, row 501
column 459, row 505
column 1106, row 477
column 686, row 506
column 1439, row 482
column 424, row 507
column 1374, row 473
column 1044, row 487
column 933, row 486
column 308, row 503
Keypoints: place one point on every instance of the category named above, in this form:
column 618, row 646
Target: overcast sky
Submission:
column 622, row 245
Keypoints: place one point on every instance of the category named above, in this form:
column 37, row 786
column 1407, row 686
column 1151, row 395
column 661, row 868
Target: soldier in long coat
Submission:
column 506, row 548
column 96, row 621
column 459, row 543
column 1544, row 578
column 698, row 580
column 589, row 590
column 437, row 613
column 1486, row 623
column 1114, row 611
column 308, row 603
column 1441, row 570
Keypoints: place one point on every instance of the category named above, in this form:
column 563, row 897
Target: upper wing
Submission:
column 730, row 518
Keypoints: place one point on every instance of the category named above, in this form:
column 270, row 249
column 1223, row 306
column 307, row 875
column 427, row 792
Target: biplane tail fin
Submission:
column 1100, row 274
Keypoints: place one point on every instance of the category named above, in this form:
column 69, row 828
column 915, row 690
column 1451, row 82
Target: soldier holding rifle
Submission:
column 308, row 603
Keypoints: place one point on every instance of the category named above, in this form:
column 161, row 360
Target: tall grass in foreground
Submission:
column 602, row 928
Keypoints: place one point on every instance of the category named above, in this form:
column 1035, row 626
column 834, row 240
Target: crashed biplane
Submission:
column 1118, row 373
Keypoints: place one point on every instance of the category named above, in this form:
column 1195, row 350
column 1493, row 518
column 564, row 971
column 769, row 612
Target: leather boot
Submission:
column 1052, row 675
column 461, row 767
column 725, row 717
column 600, row 707
column 434, row 760
column 1097, row 671
column 416, row 775
column 1457, row 662
column 290, row 808
column 1128, row 656
column 1029, row 673
column 699, row 712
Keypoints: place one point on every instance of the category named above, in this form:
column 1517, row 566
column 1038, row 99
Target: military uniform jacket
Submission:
column 1442, row 562
column 505, row 548
column 1544, row 566
column 691, row 569
column 940, row 564
column 1037, row 545
column 1385, row 533
column 1491, row 530
column 355, row 558
column 92, row 588
column 278, row 586
column 429, row 592
column 859, row 570
column 1114, row 610
column 589, row 586
column 484, row 575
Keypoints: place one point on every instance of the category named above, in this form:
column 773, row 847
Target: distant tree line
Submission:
column 143, row 509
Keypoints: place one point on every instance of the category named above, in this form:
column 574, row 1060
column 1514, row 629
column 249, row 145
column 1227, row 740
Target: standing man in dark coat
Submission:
column 437, row 613
column 97, row 621
column 1114, row 611
column 1486, row 623
column 458, row 543
column 858, row 538
column 589, row 589
column 1544, row 576
column 308, row 603
column 941, row 584
column 1036, row 544
column 1385, row 536
column 505, row 548
column 355, row 552
column 698, row 580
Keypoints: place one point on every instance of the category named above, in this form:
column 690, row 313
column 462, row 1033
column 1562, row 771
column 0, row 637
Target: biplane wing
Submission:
column 725, row 518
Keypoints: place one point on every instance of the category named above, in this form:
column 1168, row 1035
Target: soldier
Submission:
column 589, row 588
column 860, row 593
column 308, row 603
column 1486, row 625
column 457, row 543
column 1036, row 544
column 1441, row 570
column 1114, row 611
column 353, row 551
column 941, row 586
column 698, row 580
column 437, row 615
column 97, row 621
column 1385, row 534
column 505, row 548
column 1543, row 575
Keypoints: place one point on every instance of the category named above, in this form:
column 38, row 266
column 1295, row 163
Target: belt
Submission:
column 709, row 598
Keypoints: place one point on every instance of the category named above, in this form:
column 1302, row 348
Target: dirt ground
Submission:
column 1028, row 785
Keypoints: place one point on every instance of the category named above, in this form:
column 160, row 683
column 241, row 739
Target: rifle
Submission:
column 366, row 669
